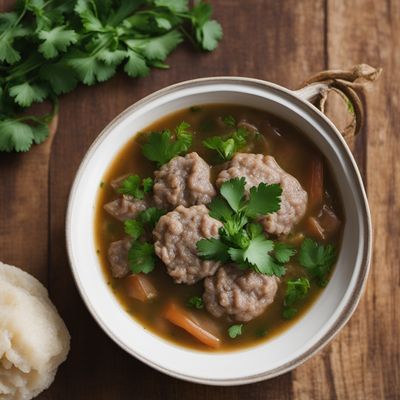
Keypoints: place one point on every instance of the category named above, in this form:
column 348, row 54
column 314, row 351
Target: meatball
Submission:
column 257, row 168
column 177, row 234
column 240, row 295
column 183, row 181
column 126, row 207
column 118, row 257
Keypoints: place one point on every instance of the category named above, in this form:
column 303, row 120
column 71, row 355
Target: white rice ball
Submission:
column 34, row 340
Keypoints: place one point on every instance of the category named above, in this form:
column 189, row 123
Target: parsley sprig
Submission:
column 141, row 255
column 242, row 239
column 317, row 259
column 48, row 47
column 133, row 186
column 161, row 147
column 297, row 289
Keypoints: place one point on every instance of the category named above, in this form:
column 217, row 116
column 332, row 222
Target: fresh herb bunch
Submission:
column 242, row 239
column 48, row 47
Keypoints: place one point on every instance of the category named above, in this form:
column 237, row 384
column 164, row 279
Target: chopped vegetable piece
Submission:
column 196, row 302
column 180, row 317
column 315, row 183
column 139, row 287
column 314, row 229
column 235, row 331
column 161, row 147
column 317, row 259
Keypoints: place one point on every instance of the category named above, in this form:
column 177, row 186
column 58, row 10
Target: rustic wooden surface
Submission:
column 280, row 41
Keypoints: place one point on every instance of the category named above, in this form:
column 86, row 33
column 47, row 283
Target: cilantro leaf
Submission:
column 56, row 40
column 220, row 209
column 15, row 135
column 297, row 289
column 208, row 33
column 257, row 255
column 233, row 192
column 317, row 259
column 289, row 312
column 136, row 65
column 212, row 249
column 25, row 93
column 229, row 121
column 59, row 76
column 150, row 216
column 132, row 186
column 161, row 147
column 141, row 257
column 264, row 199
column 283, row 252
column 178, row 6
column 159, row 47
column 226, row 147
column 235, row 331
column 133, row 228
column 196, row 302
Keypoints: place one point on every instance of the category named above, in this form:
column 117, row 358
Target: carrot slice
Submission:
column 315, row 184
column 180, row 317
column 140, row 287
column 314, row 229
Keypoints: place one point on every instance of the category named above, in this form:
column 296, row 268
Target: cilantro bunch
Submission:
column 242, row 239
column 48, row 47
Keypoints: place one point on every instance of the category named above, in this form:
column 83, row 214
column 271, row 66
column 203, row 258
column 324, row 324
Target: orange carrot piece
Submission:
column 140, row 287
column 315, row 184
column 314, row 229
column 182, row 318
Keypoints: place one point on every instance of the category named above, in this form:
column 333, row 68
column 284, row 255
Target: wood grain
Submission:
column 283, row 42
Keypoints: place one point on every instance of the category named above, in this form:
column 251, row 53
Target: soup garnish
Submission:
column 219, row 227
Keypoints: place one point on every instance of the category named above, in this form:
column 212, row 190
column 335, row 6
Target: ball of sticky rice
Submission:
column 34, row 340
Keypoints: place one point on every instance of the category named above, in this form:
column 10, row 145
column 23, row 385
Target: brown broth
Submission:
column 292, row 151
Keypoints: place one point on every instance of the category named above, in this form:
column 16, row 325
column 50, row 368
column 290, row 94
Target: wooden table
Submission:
column 280, row 41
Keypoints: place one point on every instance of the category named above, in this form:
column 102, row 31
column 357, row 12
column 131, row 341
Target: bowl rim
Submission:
column 356, row 294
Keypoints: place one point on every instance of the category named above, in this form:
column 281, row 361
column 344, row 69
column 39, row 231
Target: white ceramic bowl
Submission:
column 287, row 350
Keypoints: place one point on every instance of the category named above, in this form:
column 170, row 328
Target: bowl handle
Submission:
column 348, row 84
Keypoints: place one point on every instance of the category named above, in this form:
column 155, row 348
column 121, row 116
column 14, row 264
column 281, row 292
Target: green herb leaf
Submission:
column 15, row 135
column 150, row 216
column 235, row 331
column 212, row 249
column 227, row 146
column 25, row 93
column 297, row 289
column 132, row 186
column 196, row 302
column 229, row 121
column 264, row 199
column 317, row 259
column 133, row 228
column 141, row 258
column 283, row 252
column 56, row 40
column 233, row 192
column 161, row 147
column 289, row 312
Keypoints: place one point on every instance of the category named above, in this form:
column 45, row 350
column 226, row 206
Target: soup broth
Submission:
column 292, row 151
